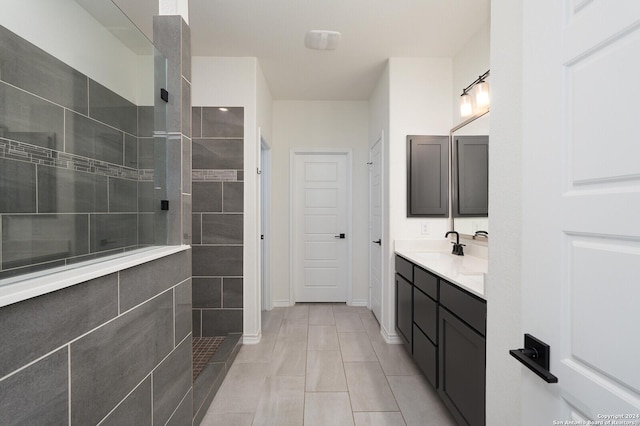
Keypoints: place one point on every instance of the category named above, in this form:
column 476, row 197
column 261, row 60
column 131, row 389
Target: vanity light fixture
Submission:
column 481, row 92
column 465, row 105
column 481, row 97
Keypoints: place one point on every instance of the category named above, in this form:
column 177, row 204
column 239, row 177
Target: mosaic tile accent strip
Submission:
column 37, row 155
column 214, row 175
column 203, row 350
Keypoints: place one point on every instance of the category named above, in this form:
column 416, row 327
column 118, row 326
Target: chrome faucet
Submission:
column 457, row 247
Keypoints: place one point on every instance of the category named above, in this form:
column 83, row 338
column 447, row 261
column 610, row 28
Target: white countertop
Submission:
column 468, row 272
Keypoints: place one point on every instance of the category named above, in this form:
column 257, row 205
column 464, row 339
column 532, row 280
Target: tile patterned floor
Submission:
column 203, row 349
column 326, row 365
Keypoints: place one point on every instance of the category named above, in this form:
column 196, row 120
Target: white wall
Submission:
column 319, row 124
column 412, row 97
column 239, row 82
column 419, row 104
column 505, row 212
column 65, row 30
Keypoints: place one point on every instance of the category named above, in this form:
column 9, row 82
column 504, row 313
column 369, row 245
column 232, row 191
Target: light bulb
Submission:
column 481, row 92
column 465, row 105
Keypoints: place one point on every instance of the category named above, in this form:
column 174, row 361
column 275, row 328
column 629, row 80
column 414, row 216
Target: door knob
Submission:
column 341, row 236
column 378, row 242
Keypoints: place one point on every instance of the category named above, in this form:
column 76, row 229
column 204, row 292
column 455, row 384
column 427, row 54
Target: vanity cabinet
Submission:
column 462, row 354
column 427, row 176
column 404, row 310
column 443, row 328
column 417, row 315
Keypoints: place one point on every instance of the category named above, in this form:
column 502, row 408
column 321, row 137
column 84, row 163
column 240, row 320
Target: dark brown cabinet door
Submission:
column 404, row 314
column 427, row 176
column 462, row 369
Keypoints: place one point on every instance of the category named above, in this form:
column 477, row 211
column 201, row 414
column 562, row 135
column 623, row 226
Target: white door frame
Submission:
column 265, row 223
column 380, row 141
column 321, row 151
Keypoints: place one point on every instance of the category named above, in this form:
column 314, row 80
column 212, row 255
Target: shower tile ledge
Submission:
column 17, row 289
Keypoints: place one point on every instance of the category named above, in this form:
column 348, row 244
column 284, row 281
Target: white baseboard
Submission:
column 281, row 303
column 392, row 339
column 252, row 339
column 356, row 302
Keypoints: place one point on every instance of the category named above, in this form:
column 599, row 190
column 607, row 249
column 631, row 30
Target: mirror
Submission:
column 469, row 143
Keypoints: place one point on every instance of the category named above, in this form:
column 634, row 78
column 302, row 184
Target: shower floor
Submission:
column 203, row 349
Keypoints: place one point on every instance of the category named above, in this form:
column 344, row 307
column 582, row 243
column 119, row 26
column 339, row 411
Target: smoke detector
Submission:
column 322, row 39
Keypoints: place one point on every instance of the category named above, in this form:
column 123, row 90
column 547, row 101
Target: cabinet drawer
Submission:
column 425, row 356
column 470, row 309
column 404, row 268
column 426, row 281
column 425, row 314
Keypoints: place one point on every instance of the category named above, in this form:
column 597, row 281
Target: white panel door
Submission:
column 581, row 208
column 319, row 256
column 375, row 228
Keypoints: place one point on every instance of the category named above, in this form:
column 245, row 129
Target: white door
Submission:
column 265, row 228
column 375, row 228
column 320, row 205
column 581, row 208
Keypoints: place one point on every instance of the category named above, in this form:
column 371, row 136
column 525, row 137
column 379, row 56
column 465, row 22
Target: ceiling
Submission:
column 372, row 31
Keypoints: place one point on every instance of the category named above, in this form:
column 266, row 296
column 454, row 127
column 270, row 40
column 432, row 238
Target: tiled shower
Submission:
column 82, row 173
column 76, row 164
column 79, row 179
column 217, row 244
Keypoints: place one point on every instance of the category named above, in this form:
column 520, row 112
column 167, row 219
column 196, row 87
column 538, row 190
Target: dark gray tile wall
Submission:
column 70, row 191
column 222, row 228
column 90, row 138
column 17, row 187
column 140, row 283
column 218, row 153
column 134, row 343
column 207, row 292
column 135, row 409
column 111, row 358
column 217, row 220
column 37, row 395
column 113, row 231
column 207, row 197
column 39, row 325
column 171, row 382
column 217, row 261
column 27, row 118
column 220, row 322
column 182, row 416
column 123, row 195
column 112, row 109
column 28, row 239
column 223, row 124
column 182, row 300
column 68, row 145
column 33, row 70
column 172, row 37
column 102, row 359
